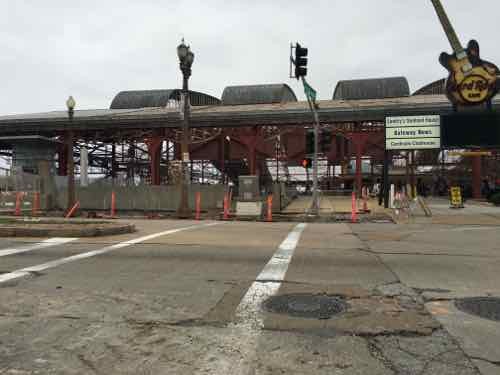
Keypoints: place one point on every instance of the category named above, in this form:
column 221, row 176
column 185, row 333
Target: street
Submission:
column 186, row 297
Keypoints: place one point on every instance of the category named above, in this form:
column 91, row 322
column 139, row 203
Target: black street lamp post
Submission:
column 70, row 104
column 186, row 58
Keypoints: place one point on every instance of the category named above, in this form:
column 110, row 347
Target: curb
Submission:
column 12, row 231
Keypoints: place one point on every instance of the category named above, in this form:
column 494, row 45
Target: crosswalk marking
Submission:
column 42, row 267
column 36, row 246
column 243, row 336
column 269, row 280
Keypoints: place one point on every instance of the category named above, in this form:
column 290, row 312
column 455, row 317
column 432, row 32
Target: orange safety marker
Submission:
column 197, row 205
column 73, row 209
column 365, row 200
column 113, row 204
column 226, row 206
column 19, row 198
column 354, row 209
column 36, row 204
column 270, row 208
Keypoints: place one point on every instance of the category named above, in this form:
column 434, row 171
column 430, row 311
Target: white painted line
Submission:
column 36, row 246
column 42, row 267
column 236, row 351
column 267, row 284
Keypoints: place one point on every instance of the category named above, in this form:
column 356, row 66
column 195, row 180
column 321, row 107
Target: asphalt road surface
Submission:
column 182, row 297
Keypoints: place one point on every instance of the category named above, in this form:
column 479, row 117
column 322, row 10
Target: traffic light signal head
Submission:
column 300, row 61
column 307, row 163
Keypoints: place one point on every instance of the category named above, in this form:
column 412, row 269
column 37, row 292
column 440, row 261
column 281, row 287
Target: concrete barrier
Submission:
column 142, row 198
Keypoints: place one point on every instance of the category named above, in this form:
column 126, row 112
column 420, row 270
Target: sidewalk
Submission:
column 330, row 205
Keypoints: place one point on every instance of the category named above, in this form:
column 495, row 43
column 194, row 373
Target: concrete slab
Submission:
column 435, row 354
column 458, row 275
column 478, row 337
column 331, row 253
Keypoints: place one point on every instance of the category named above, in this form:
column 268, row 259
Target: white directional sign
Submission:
column 412, row 132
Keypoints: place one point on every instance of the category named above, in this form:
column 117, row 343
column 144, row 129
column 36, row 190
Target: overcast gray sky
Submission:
column 93, row 49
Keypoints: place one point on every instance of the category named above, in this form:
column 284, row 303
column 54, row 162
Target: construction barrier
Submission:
column 197, row 205
column 226, row 206
column 365, row 200
column 73, row 210
column 269, row 217
column 19, row 201
column 113, row 205
column 354, row 209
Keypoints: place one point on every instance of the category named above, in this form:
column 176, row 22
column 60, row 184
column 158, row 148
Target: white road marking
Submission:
column 42, row 267
column 35, row 246
column 235, row 352
column 269, row 281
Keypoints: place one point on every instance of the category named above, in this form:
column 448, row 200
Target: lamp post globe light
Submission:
column 186, row 59
column 70, row 104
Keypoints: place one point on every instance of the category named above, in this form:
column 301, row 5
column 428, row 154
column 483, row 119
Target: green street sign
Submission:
column 310, row 92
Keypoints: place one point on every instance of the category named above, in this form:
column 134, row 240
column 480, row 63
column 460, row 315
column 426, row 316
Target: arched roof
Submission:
column 157, row 98
column 434, row 88
column 258, row 94
column 377, row 88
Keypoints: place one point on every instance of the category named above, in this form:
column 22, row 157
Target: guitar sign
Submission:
column 472, row 81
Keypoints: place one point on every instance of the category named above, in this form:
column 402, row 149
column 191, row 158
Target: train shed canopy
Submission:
column 434, row 88
column 258, row 94
column 158, row 98
column 376, row 88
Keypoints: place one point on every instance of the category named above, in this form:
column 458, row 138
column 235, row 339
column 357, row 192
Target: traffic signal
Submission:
column 307, row 163
column 309, row 141
column 300, row 61
column 325, row 141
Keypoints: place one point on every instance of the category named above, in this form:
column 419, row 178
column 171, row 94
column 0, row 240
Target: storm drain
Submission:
column 306, row 305
column 484, row 307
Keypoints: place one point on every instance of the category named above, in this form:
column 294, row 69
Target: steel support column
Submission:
column 359, row 141
column 476, row 176
column 70, row 169
column 113, row 162
column 250, row 141
column 154, row 149
column 62, row 169
column 221, row 152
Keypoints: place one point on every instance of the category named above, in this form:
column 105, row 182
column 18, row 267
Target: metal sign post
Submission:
column 311, row 100
column 409, row 133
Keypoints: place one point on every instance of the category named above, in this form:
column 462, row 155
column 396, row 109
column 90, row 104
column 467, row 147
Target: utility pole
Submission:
column 70, row 104
column 300, row 62
column 186, row 58
column 311, row 100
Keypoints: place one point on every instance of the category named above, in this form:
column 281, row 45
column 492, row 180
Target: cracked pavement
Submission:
column 167, row 305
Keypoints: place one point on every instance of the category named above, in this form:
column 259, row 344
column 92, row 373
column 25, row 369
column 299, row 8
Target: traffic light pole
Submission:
column 315, row 200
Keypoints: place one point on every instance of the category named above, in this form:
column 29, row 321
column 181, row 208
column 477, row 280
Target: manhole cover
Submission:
column 485, row 307
column 306, row 305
